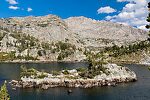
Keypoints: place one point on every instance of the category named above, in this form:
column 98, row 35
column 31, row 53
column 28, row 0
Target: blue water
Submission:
column 139, row 90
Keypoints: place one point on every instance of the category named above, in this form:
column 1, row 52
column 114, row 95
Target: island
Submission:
column 109, row 75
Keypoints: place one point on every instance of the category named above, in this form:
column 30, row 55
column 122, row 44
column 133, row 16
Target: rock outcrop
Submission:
column 146, row 59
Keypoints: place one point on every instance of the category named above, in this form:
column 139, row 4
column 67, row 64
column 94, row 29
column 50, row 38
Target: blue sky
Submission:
column 62, row 8
column 121, row 11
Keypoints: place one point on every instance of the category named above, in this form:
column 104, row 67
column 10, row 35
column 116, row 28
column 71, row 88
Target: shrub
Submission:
column 28, row 72
column 60, row 56
column 7, row 56
column 46, row 46
column 53, row 51
column 83, row 74
column 63, row 54
column 64, row 46
column 81, row 69
column 2, row 35
column 42, row 75
column 43, row 25
column 65, row 72
column 41, row 52
column 55, row 73
column 16, row 35
column 30, row 58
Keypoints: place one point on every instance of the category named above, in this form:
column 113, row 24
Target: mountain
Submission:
column 52, row 38
column 104, row 33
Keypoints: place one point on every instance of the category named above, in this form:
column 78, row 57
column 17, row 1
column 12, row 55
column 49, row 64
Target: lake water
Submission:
column 139, row 90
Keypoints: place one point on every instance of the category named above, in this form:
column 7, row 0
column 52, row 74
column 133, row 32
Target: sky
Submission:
column 127, row 12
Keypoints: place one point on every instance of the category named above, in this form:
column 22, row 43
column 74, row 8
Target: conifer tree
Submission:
column 148, row 18
column 4, row 93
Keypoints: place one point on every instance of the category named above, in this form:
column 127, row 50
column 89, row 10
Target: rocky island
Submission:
column 111, row 74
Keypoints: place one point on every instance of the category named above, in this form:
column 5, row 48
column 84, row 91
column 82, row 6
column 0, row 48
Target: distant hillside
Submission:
column 52, row 38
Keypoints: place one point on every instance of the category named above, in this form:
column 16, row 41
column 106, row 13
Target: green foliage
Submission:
column 7, row 56
column 46, row 46
column 84, row 74
column 81, row 69
column 2, row 35
column 64, row 46
column 25, row 41
column 116, row 51
column 16, row 35
column 66, row 40
column 71, row 77
column 64, row 54
column 42, row 75
column 43, row 24
column 65, row 72
column 27, row 72
column 65, row 49
column 55, row 73
column 4, row 93
column 29, row 58
column 26, row 57
column 93, row 72
column 41, row 52
column 60, row 56
column 32, row 72
column 96, row 65
column 54, row 50
column 148, row 18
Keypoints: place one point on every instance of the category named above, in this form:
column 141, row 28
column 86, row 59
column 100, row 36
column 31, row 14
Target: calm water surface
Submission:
column 139, row 90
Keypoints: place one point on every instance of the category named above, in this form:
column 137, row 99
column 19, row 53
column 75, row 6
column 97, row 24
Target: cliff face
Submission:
column 40, row 36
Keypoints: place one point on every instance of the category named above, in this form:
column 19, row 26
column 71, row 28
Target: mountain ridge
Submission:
column 29, row 35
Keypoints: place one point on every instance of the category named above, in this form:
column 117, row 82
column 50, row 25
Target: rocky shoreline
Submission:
column 118, row 74
column 38, row 61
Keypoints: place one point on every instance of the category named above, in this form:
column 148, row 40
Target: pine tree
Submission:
column 148, row 18
column 4, row 93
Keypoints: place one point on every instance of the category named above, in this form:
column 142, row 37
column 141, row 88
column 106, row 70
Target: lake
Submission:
column 139, row 90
